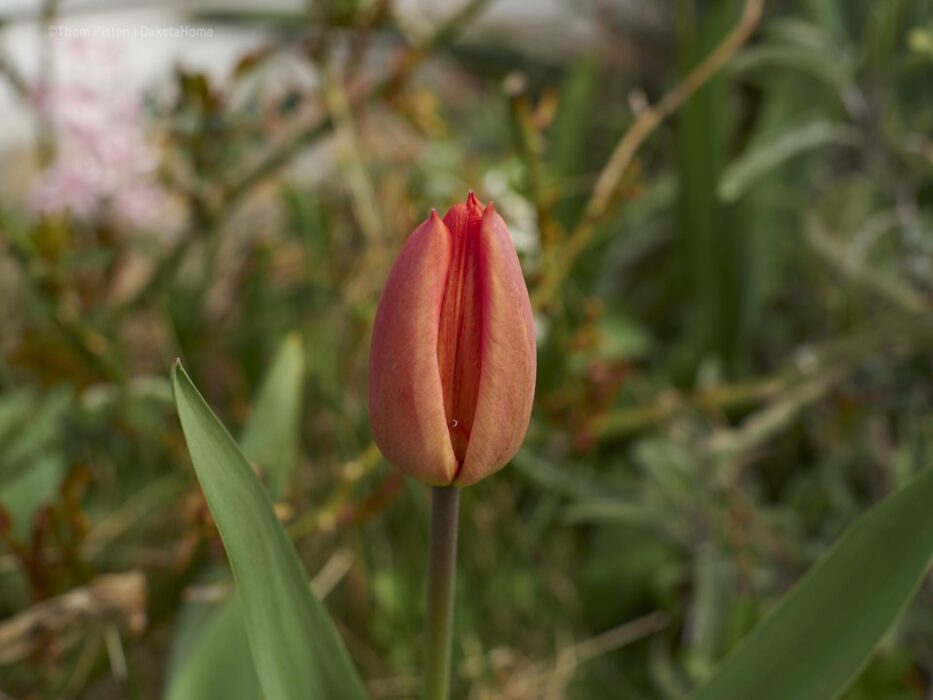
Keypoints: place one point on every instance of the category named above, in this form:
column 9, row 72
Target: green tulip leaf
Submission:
column 270, row 438
column 217, row 659
column 751, row 166
column 296, row 649
column 824, row 631
column 218, row 663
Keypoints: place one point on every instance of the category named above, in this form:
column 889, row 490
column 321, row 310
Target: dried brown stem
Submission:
column 280, row 155
column 231, row 191
column 62, row 620
column 813, row 371
column 600, row 202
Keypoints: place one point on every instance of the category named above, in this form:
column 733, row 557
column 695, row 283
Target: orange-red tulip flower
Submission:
column 452, row 364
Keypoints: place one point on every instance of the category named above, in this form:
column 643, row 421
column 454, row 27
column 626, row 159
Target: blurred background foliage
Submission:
column 734, row 345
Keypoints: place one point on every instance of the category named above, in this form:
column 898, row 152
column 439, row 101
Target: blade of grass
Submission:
column 824, row 631
column 270, row 438
column 219, row 664
column 219, row 660
column 296, row 649
column 709, row 242
column 748, row 169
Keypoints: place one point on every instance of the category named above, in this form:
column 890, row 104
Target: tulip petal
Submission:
column 460, row 338
column 509, row 361
column 406, row 402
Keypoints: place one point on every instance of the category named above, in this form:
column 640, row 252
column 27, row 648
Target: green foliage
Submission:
column 712, row 247
column 218, row 661
column 744, row 171
column 29, row 427
column 823, row 632
column 734, row 370
column 270, row 439
column 211, row 649
column 295, row 647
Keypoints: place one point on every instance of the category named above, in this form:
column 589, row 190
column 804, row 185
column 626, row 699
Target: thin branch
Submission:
column 350, row 159
column 620, row 636
column 13, row 77
column 900, row 294
column 549, row 678
column 280, row 155
column 808, row 365
column 736, row 444
column 648, row 120
column 669, row 404
column 238, row 186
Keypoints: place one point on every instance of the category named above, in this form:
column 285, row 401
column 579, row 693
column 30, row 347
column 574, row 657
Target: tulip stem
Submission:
column 442, row 562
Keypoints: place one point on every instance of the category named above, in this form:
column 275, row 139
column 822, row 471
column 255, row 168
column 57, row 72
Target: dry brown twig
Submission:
column 648, row 119
column 549, row 678
column 883, row 285
column 734, row 445
column 212, row 211
column 813, row 371
column 61, row 621
column 280, row 155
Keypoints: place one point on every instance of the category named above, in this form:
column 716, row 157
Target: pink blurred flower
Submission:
column 104, row 162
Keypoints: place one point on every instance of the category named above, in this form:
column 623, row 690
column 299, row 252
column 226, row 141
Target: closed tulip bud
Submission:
column 452, row 363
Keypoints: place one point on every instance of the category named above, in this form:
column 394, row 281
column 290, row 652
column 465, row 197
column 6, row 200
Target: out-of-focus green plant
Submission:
column 211, row 648
column 732, row 289
column 295, row 648
column 822, row 634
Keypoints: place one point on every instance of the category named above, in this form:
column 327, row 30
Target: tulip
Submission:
column 452, row 364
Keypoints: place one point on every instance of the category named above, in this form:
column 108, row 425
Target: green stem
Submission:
column 442, row 561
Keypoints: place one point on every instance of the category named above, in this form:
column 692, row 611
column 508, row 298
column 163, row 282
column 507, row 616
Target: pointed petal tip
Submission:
column 436, row 222
column 491, row 216
column 473, row 201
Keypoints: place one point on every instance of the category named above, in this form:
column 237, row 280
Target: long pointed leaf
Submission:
column 297, row 652
column 270, row 438
column 822, row 634
column 219, row 656
column 219, row 663
column 748, row 168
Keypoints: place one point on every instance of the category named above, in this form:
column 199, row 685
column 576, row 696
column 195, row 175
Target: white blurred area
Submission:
column 549, row 26
column 24, row 41
column 136, row 65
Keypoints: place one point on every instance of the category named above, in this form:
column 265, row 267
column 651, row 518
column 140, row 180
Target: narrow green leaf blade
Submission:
column 219, row 661
column 750, row 167
column 270, row 438
column 219, row 664
column 297, row 652
column 824, row 631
